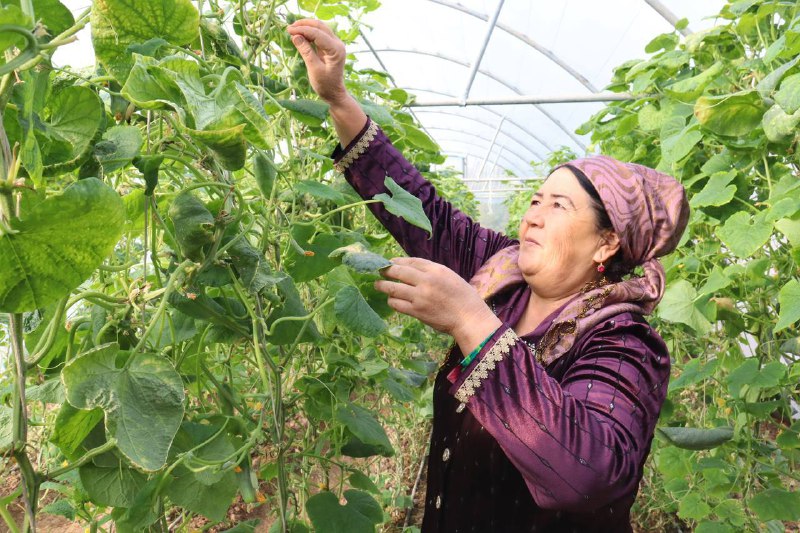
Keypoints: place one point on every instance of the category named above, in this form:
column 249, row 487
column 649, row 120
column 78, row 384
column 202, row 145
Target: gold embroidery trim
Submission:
column 480, row 371
column 358, row 149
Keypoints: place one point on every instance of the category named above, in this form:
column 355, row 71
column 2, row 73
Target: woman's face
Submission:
column 560, row 245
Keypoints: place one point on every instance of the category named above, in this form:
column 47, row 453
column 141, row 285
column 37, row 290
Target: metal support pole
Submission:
column 668, row 15
column 477, row 63
column 491, row 146
column 606, row 96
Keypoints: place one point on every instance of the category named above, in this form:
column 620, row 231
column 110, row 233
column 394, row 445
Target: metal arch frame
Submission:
column 473, row 119
column 666, row 14
column 509, row 165
column 509, row 179
column 482, row 50
column 462, row 132
column 656, row 5
column 391, row 78
column 549, row 54
column 489, row 75
column 492, row 111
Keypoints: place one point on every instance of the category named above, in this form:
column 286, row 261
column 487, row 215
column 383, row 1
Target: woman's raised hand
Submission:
column 440, row 298
column 324, row 55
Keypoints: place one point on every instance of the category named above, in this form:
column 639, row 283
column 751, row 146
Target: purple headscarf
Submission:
column 649, row 212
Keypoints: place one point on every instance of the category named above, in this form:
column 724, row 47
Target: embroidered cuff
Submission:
column 480, row 371
column 357, row 147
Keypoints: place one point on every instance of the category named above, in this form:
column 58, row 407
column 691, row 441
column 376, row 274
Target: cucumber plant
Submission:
column 186, row 286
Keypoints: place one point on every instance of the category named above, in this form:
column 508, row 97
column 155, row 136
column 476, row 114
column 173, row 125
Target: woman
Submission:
column 545, row 423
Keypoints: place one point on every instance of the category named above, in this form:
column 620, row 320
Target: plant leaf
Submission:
column 730, row 115
column 353, row 311
column 365, row 427
column 402, row 204
column 744, row 234
column 678, row 306
column 717, row 191
column 789, row 300
column 360, row 515
column 58, row 244
column 776, row 504
column 143, row 402
column 116, row 25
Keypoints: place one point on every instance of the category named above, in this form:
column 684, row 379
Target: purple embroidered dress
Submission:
column 518, row 447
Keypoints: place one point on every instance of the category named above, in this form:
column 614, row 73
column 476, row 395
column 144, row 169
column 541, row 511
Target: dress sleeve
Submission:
column 579, row 443
column 458, row 242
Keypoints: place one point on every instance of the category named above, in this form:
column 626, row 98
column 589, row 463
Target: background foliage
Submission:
column 719, row 110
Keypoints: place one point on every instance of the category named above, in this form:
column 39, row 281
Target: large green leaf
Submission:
column 788, row 96
column 750, row 373
column 360, row 515
column 115, row 486
column 311, row 112
column 696, row 438
column 717, row 190
column 116, row 24
column 790, row 228
column 287, row 331
column 194, row 224
column 72, row 426
column 744, row 234
column 677, row 146
column 118, row 147
column 678, row 305
column 58, row 244
column 778, row 124
column 69, row 123
column 691, row 88
column 789, row 300
column 776, row 504
column 364, row 426
column 353, row 311
column 208, row 492
column 13, row 16
column 151, row 87
column 730, row 115
column 771, row 80
column 228, row 145
column 142, row 400
column 402, row 204
column 53, row 15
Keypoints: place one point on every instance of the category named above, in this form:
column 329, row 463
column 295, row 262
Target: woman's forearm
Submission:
column 348, row 119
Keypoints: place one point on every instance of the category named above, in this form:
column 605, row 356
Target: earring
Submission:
column 601, row 268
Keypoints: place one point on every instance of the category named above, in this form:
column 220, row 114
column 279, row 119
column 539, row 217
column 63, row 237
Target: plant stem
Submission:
column 171, row 283
column 108, row 446
column 19, row 432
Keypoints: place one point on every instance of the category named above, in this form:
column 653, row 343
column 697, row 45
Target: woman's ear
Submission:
column 609, row 245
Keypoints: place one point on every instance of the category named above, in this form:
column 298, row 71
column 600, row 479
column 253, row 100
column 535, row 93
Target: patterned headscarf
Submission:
column 648, row 211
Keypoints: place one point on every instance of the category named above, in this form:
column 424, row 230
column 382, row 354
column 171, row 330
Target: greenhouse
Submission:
column 401, row 266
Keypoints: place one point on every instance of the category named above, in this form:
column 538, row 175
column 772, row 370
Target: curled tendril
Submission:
column 25, row 55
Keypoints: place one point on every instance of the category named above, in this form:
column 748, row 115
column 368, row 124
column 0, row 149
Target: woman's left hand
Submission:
column 437, row 296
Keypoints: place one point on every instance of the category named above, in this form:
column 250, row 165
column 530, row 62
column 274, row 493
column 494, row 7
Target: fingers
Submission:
column 405, row 273
column 306, row 50
column 314, row 23
column 417, row 263
column 396, row 291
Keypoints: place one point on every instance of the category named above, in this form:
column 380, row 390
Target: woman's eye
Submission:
column 535, row 202
column 558, row 205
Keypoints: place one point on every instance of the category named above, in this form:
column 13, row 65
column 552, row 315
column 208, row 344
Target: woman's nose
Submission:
column 533, row 216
